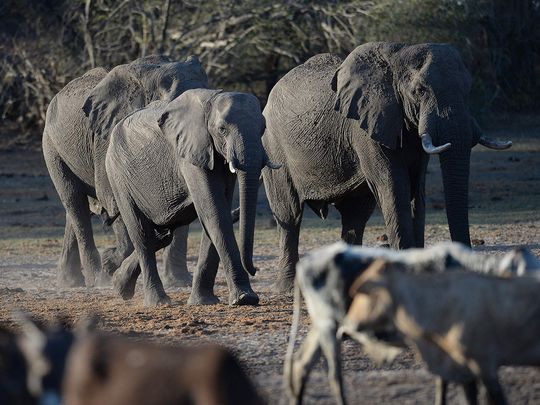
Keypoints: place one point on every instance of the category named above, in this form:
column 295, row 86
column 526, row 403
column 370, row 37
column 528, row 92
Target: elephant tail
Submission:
column 288, row 373
column 107, row 219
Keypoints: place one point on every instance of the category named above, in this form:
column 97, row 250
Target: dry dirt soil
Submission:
column 504, row 210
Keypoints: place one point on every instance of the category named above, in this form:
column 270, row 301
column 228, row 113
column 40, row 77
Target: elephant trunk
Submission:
column 248, row 185
column 455, row 166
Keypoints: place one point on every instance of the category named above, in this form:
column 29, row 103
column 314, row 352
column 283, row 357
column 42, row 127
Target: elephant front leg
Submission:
column 175, row 272
column 112, row 258
column 207, row 190
column 289, row 236
column 388, row 178
column 287, row 210
column 202, row 290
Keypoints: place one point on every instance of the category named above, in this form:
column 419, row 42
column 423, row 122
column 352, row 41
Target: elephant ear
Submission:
column 115, row 96
column 185, row 125
column 365, row 91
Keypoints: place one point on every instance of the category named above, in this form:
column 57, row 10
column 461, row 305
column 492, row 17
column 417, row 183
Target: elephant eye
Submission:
column 222, row 130
column 420, row 91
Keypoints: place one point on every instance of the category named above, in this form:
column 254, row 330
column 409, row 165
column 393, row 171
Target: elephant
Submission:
column 173, row 161
column 78, row 123
column 357, row 132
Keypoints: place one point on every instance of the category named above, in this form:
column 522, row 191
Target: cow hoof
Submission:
column 244, row 298
column 154, row 299
column 202, row 299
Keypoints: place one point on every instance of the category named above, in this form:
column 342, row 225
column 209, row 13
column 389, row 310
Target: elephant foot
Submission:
column 69, row 280
column 245, row 296
column 252, row 270
column 182, row 279
column 202, row 298
column 124, row 285
column 283, row 286
column 90, row 278
column 103, row 279
column 154, row 297
column 109, row 261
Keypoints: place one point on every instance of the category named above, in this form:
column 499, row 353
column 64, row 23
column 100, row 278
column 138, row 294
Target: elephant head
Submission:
column 211, row 127
column 129, row 87
column 396, row 90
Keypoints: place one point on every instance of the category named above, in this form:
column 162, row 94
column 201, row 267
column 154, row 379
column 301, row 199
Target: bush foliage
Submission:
column 248, row 45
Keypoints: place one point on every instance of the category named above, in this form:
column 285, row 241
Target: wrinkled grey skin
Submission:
column 169, row 162
column 325, row 277
column 75, row 140
column 348, row 133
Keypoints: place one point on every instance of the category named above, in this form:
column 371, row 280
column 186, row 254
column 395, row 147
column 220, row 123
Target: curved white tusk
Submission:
column 231, row 167
column 428, row 146
column 272, row 165
column 494, row 143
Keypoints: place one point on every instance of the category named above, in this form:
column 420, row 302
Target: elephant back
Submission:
column 301, row 96
column 66, row 126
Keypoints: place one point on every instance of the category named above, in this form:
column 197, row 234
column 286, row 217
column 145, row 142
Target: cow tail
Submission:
column 289, row 357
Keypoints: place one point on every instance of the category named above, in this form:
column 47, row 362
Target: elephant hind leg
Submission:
column 355, row 212
column 202, row 291
column 69, row 272
column 73, row 194
column 125, row 278
column 175, row 272
column 112, row 258
column 142, row 234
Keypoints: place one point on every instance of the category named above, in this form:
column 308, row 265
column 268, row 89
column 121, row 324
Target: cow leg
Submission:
column 470, row 389
column 441, row 386
column 304, row 360
column 495, row 393
column 331, row 346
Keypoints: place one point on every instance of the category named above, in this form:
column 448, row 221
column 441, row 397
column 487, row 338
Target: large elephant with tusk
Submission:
column 359, row 131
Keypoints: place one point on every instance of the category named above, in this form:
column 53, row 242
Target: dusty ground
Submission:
column 504, row 209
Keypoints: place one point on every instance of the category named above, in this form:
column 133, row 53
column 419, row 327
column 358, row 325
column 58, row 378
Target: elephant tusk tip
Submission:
column 273, row 165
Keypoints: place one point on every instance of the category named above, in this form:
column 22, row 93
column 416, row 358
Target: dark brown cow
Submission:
column 112, row 370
